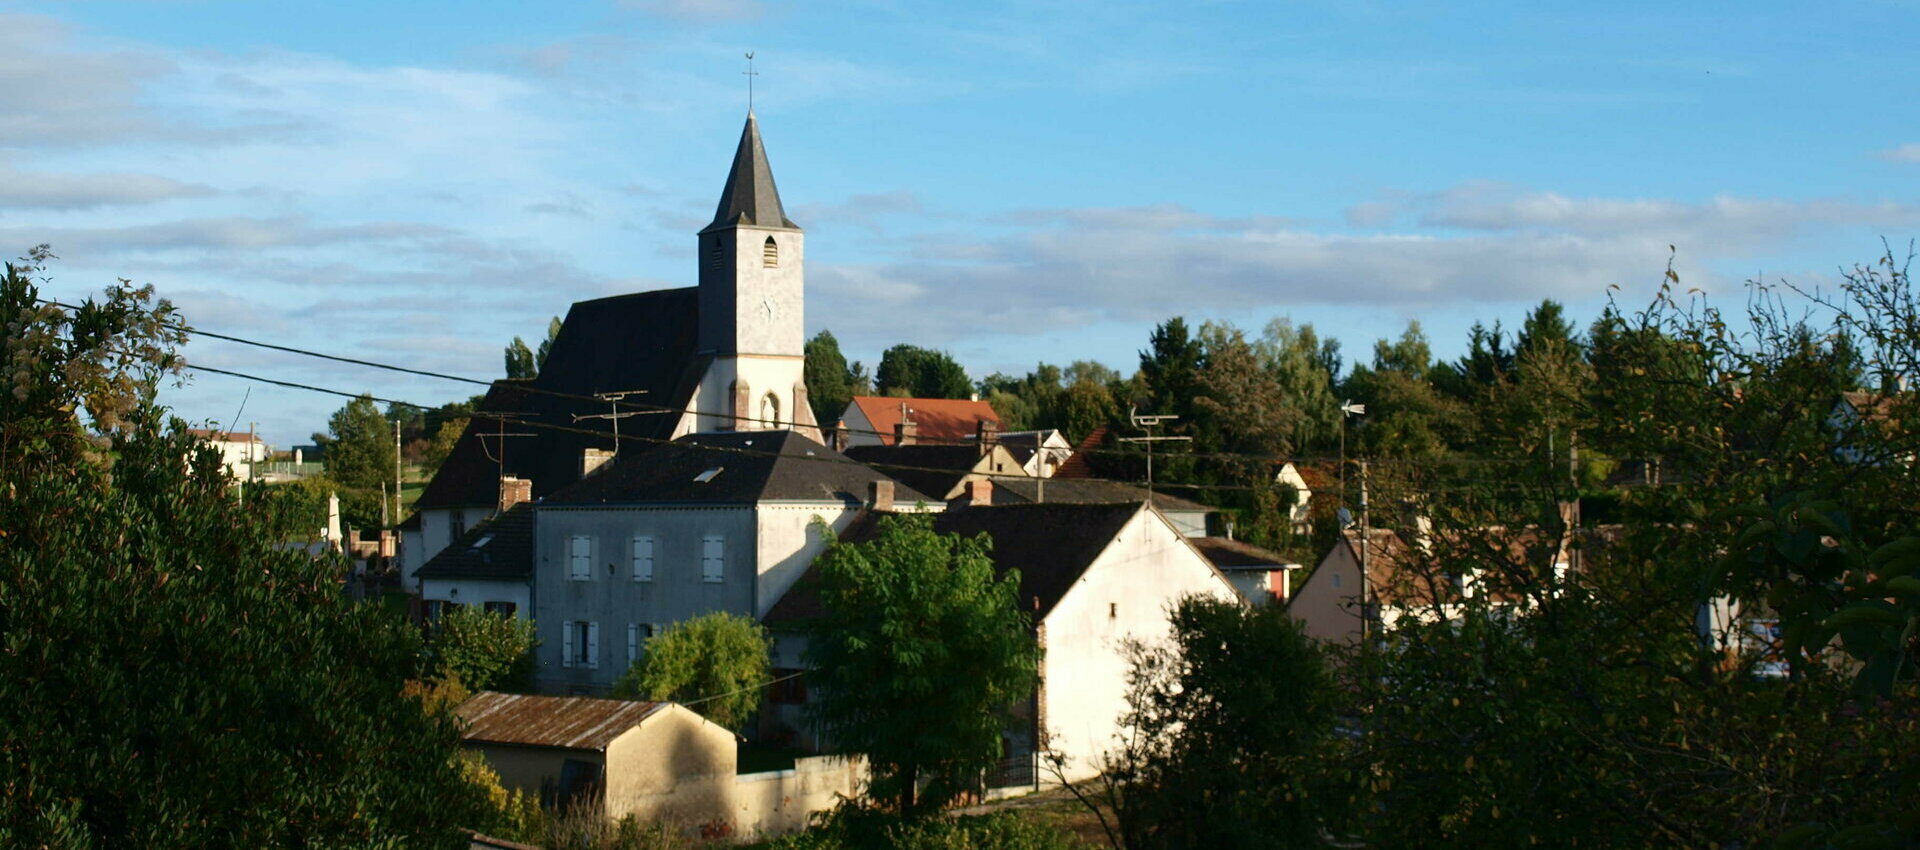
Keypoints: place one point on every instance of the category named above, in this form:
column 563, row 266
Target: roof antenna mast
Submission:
column 749, row 73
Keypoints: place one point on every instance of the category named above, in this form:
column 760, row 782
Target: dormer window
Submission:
column 770, row 254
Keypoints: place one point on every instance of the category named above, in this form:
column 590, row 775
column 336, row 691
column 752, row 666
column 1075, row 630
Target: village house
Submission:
column 490, row 566
column 1040, row 452
column 240, row 454
column 889, row 421
column 709, row 522
column 941, row 471
column 1262, row 577
column 1092, row 576
column 1189, row 516
column 659, row 762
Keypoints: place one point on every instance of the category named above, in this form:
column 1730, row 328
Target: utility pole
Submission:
column 396, row 470
column 1147, row 424
column 1366, row 577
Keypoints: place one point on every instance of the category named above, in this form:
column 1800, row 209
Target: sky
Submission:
column 417, row 183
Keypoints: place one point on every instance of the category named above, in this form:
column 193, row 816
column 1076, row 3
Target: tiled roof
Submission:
column 574, row 723
column 1076, row 466
column 500, row 548
column 752, row 466
column 936, row 470
column 1051, row 545
column 643, row 341
column 223, row 436
column 936, row 420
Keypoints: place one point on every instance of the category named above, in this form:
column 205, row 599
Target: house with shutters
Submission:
column 709, row 522
column 636, row 370
column 1092, row 575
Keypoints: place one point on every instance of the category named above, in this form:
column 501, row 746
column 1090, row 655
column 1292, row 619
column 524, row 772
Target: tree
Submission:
column 359, row 455
column 912, row 371
column 523, row 362
column 917, row 657
column 482, row 650
column 1171, row 368
column 172, row 677
column 1297, row 360
column 829, row 381
column 442, row 445
column 1210, row 756
column 1240, row 407
column 716, row 663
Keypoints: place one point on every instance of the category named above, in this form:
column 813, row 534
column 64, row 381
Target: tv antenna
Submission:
column 1147, row 424
column 614, row 413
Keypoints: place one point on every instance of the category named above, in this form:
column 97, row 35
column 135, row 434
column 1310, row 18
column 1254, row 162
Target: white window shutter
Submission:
column 593, row 646
column 643, row 558
column 566, row 644
column 633, row 643
column 713, row 560
column 580, row 558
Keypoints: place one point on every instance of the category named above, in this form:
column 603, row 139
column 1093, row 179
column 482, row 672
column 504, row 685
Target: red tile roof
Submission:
column 938, row 420
column 223, row 436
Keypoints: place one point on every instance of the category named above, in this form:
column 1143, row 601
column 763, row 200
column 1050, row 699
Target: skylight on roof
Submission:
column 707, row 476
column 484, row 540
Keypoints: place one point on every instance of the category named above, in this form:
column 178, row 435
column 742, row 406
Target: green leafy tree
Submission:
column 359, row 446
column 482, row 650
column 716, row 663
column 1210, row 756
column 829, row 380
column 524, row 362
column 1241, row 408
column 172, row 677
column 917, row 659
column 912, row 371
column 1295, row 358
column 444, row 439
column 1170, row 369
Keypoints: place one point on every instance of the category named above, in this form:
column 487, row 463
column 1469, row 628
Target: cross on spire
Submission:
column 749, row 73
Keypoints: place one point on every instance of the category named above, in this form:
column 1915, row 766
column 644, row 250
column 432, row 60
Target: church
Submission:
column 631, row 371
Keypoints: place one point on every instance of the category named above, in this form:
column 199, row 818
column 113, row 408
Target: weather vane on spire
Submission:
column 749, row 73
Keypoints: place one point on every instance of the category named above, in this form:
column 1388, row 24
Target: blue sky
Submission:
column 419, row 182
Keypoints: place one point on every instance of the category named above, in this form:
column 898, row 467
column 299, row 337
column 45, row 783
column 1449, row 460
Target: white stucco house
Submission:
column 1093, row 575
column 240, row 454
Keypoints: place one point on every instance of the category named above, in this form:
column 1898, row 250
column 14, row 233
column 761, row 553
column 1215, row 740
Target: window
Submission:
column 1336, row 579
column 708, row 475
column 713, row 560
column 770, row 254
column 580, row 644
column 642, row 558
column 637, row 636
column 789, row 687
column 456, row 526
column 770, row 410
column 580, row 558
column 1113, row 610
column 505, row 609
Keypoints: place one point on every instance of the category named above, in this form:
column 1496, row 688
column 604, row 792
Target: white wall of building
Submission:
column 1127, row 592
column 477, row 592
column 788, row 542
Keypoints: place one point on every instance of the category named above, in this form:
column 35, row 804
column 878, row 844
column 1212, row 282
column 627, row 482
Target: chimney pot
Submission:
column 905, row 433
column 592, row 459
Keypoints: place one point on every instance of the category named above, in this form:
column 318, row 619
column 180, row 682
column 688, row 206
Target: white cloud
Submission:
column 56, row 191
column 1909, row 152
column 700, row 11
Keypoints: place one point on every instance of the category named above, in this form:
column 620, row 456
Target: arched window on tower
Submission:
column 770, row 411
column 770, row 254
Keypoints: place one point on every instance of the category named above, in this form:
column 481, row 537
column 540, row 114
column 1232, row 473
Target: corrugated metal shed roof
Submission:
column 574, row 723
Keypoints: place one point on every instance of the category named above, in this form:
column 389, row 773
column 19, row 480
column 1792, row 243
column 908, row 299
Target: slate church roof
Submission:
column 750, row 197
column 643, row 341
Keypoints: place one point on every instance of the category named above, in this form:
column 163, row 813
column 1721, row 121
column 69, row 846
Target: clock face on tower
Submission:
column 772, row 312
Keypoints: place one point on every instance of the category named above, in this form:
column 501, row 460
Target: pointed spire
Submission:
column 750, row 197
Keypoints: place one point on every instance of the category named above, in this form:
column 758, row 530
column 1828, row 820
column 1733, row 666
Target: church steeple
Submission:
column 750, row 197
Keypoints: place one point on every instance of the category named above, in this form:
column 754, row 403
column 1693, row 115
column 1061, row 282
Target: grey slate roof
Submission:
column 1086, row 491
column 933, row 469
column 1051, row 545
column 1228, row 554
column 753, row 466
column 506, row 555
column 642, row 341
column 750, row 197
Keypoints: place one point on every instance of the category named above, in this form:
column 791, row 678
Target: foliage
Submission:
column 1210, row 756
column 514, row 815
column 523, row 362
column 172, row 677
column 915, row 372
column 830, row 381
column 585, row 826
column 849, row 828
column 715, row 663
column 298, row 507
column 436, row 451
column 359, row 454
column 917, row 657
column 481, row 649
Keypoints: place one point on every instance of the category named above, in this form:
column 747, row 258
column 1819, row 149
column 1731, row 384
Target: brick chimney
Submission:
column 987, row 433
column 592, row 459
column 514, row 490
column 880, row 495
column 904, row 433
column 980, row 492
column 837, row 436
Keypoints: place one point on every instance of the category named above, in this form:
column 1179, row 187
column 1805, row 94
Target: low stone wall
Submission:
column 781, row 801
